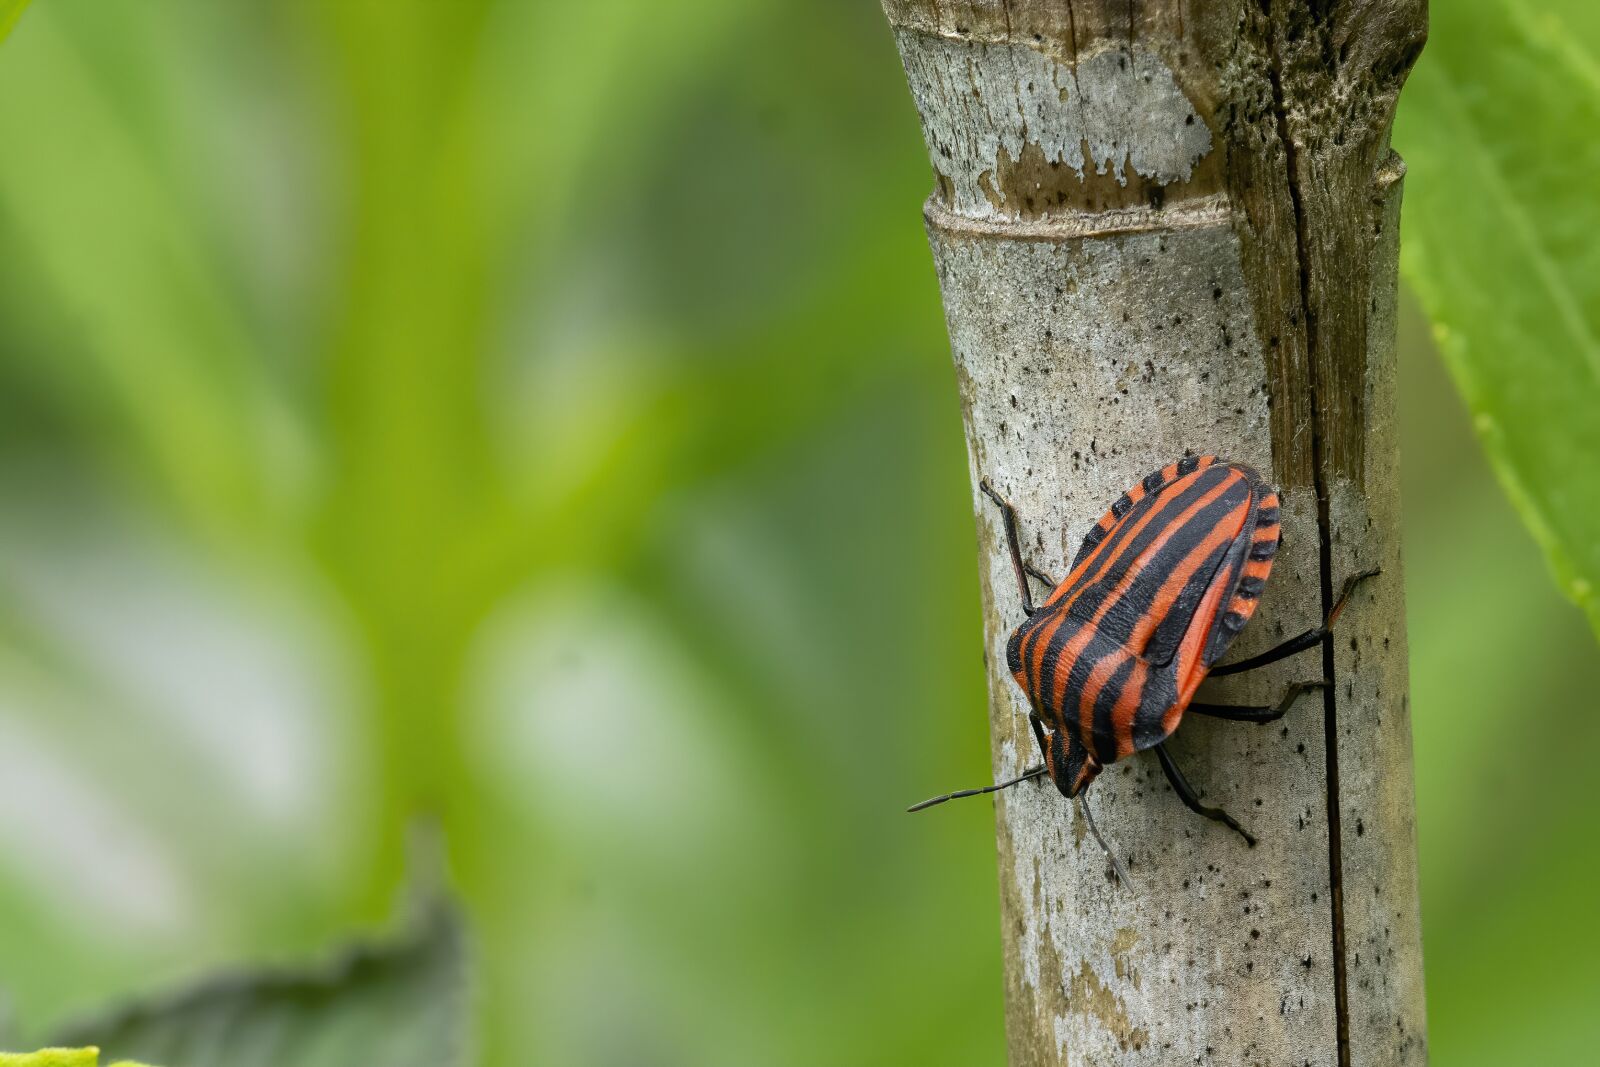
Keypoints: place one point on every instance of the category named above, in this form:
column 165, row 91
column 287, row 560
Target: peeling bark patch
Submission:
column 1121, row 945
column 1015, row 133
column 1091, row 998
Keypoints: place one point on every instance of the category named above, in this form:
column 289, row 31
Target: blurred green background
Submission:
column 510, row 415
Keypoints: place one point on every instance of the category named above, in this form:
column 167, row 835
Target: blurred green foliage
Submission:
column 513, row 414
column 10, row 12
column 1499, row 130
column 398, row 1004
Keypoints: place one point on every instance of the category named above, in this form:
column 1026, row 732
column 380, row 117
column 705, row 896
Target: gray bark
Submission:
column 1163, row 227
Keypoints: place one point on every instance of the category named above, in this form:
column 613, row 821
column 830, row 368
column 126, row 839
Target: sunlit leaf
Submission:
column 59, row 1057
column 52, row 1057
column 1498, row 129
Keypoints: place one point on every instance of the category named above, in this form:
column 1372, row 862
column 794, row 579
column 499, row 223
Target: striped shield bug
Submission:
column 1159, row 590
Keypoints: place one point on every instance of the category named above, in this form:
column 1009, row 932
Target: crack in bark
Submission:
column 1319, row 475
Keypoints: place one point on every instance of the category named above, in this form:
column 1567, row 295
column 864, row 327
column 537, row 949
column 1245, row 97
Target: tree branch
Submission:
column 1165, row 226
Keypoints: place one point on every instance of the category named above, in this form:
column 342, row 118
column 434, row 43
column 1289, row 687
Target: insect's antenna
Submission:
column 1116, row 864
column 1023, row 777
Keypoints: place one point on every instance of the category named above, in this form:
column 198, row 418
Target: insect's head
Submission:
column 1072, row 767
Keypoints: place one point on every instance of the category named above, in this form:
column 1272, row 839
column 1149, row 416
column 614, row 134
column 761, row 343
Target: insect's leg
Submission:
column 1038, row 735
column 1180, row 785
column 1009, row 514
column 1083, row 806
column 1235, row 713
column 1042, row 576
column 1309, row 639
column 1116, row 864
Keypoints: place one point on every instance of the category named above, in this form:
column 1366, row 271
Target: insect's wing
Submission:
column 1208, row 616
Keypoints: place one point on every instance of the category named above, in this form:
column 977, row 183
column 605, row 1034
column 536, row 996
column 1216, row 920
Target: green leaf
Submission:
column 10, row 12
column 399, row 1004
column 1498, row 245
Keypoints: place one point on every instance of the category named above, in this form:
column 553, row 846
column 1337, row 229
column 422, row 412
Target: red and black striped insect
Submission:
column 1160, row 588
